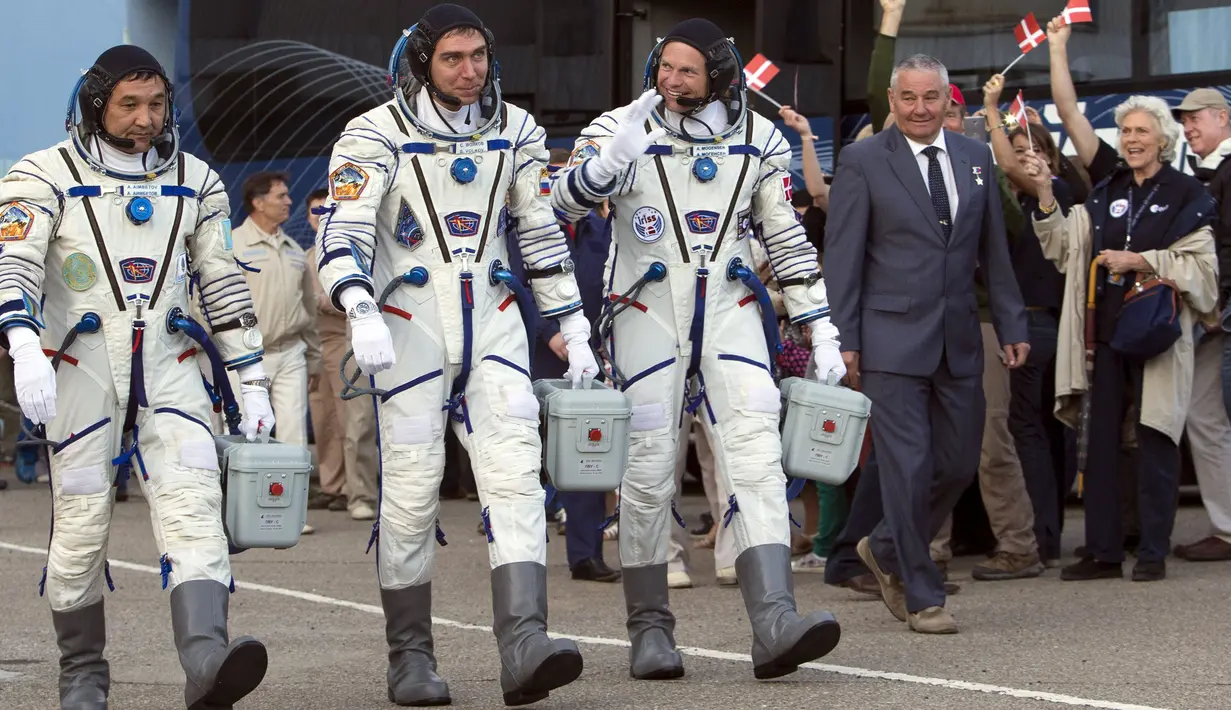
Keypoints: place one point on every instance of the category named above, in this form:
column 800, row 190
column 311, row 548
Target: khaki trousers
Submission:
column 1001, row 482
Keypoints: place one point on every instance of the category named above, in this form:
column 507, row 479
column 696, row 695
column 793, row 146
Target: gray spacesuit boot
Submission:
column 781, row 638
column 531, row 663
column 651, row 625
column 217, row 674
column 84, row 674
column 412, row 665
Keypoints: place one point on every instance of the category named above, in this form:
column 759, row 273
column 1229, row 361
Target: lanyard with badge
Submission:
column 1133, row 218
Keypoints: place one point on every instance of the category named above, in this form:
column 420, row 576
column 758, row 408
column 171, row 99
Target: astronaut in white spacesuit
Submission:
column 688, row 171
column 421, row 190
column 101, row 235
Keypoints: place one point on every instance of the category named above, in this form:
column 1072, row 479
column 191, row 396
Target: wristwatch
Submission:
column 362, row 309
column 263, row 382
column 565, row 267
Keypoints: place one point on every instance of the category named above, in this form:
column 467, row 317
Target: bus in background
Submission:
column 269, row 84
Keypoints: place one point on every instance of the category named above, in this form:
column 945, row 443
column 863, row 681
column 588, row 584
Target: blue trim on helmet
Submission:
column 70, row 126
column 742, row 87
column 399, row 95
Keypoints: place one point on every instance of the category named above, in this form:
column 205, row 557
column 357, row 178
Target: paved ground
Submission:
column 1028, row 644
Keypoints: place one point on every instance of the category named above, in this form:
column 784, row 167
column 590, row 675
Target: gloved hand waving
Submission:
column 629, row 142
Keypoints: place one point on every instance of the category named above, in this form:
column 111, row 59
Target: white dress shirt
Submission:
column 946, row 168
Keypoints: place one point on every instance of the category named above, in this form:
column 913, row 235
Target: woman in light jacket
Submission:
column 1143, row 218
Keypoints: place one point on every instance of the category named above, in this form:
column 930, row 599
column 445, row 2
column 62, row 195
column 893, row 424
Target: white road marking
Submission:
column 8, row 675
column 686, row 650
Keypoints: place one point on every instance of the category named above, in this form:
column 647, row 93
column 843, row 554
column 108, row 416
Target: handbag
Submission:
column 1149, row 321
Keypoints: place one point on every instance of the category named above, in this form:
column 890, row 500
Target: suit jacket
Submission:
column 899, row 292
column 589, row 244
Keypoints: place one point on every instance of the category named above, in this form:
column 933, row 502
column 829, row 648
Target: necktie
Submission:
column 936, row 186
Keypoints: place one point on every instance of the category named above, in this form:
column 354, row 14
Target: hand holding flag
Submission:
column 1029, row 36
column 1017, row 114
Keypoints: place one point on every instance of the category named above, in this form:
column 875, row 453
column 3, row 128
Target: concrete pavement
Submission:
column 1023, row 644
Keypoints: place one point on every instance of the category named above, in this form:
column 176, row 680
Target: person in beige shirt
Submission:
column 346, row 453
column 275, row 268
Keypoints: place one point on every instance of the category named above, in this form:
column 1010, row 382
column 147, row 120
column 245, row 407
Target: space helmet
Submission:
column 411, row 61
column 88, row 104
column 723, row 68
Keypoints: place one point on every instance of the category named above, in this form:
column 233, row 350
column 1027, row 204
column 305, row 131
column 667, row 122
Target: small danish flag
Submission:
column 1077, row 11
column 1029, row 34
column 788, row 190
column 1017, row 111
column 759, row 72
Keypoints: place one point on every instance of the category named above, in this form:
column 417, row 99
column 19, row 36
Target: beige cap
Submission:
column 1199, row 99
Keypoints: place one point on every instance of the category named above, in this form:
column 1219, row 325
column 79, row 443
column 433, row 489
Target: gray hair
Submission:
column 920, row 62
column 1158, row 108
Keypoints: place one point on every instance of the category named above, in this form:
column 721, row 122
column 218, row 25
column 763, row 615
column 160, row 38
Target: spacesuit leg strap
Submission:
column 506, row 454
column 183, row 488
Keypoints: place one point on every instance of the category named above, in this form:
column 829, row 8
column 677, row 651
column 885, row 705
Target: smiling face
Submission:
column 1141, row 140
column 1205, row 129
column 919, row 102
column 681, row 74
column 460, row 65
column 1021, row 148
column 137, row 110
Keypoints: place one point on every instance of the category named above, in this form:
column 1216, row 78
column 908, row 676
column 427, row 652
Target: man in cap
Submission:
column 1204, row 116
column 417, row 216
column 108, row 227
column 688, row 170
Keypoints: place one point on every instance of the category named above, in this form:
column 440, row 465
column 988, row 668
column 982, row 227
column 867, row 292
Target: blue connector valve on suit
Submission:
column 705, row 169
column 417, row 276
column 139, row 210
column 464, row 170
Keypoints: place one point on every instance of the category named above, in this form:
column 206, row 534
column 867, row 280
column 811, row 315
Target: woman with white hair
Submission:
column 1140, row 270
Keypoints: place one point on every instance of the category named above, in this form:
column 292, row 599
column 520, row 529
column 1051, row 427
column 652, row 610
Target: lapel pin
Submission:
column 978, row 173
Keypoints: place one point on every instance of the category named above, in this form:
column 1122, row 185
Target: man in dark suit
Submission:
column 914, row 213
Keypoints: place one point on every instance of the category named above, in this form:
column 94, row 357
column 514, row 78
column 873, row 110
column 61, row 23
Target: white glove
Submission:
column 582, row 367
column 629, row 142
column 370, row 337
column 258, row 412
column 33, row 377
column 827, row 351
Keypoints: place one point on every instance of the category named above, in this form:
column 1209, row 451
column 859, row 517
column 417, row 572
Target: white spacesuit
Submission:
column 411, row 195
column 687, row 188
column 90, row 228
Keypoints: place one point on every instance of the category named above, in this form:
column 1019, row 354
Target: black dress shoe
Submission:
column 595, row 570
column 707, row 522
column 1149, row 571
column 1089, row 568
